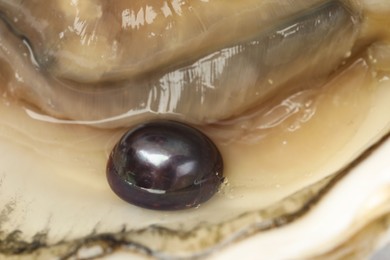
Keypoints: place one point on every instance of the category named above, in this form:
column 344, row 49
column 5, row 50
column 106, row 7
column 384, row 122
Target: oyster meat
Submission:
column 90, row 85
column 295, row 94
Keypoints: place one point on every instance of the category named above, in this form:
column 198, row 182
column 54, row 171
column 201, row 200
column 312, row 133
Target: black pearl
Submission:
column 165, row 165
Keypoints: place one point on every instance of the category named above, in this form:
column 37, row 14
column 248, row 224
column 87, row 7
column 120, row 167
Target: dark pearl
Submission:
column 165, row 165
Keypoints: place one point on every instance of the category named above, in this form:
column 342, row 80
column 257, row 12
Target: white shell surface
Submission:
column 361, row 198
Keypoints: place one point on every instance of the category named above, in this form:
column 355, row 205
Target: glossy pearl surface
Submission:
column 165, row 165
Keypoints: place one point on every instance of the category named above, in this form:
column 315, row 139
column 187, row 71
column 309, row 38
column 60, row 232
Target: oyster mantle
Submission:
column 321, row 134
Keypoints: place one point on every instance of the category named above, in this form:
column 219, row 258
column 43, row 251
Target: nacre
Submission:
column 165, row 165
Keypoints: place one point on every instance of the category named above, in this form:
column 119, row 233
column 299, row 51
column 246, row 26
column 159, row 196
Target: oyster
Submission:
column 72, row 82
column 294, row 93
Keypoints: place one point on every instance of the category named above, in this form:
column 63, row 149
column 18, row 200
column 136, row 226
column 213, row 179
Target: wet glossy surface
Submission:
column 126, row 74
column 165, row 165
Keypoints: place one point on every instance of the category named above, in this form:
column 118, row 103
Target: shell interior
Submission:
column 295, row 160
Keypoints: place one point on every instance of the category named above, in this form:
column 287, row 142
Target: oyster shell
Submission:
column 294, row 159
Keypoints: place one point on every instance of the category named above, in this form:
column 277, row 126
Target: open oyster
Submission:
column 294, row 93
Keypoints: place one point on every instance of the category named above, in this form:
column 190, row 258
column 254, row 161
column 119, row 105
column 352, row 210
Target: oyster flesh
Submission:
column 295, row 94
